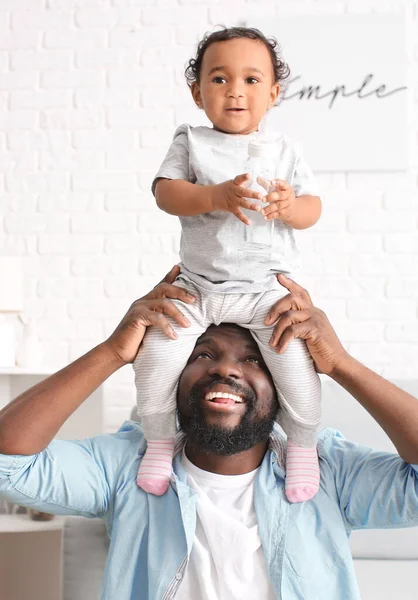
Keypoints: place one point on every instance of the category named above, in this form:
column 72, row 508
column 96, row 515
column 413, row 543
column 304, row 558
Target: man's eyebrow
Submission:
column 222, row 68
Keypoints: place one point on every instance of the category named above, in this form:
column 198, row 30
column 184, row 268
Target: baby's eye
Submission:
column 252, row 80
column 218, row 79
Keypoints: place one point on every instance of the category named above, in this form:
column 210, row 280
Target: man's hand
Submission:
column 231, row 196
column 281, row 202
column 152, row 309
column 298, row 318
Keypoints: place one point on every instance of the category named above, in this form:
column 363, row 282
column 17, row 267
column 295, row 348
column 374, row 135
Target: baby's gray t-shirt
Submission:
column 210, row 242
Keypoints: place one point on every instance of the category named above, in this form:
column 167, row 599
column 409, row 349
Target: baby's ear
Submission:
column 197, row 97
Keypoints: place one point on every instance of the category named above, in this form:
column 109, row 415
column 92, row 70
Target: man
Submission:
column 224, row 529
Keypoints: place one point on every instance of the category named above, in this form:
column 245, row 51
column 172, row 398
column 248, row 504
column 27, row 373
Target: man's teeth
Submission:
column 213, row 395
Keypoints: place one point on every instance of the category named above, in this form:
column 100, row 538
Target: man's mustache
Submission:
column 196, row 392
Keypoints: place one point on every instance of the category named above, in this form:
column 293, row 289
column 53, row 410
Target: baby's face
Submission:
column 236, row 85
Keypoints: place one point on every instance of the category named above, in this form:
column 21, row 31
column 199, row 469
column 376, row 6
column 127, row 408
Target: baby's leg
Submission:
column 157, row 367
column 299, row 393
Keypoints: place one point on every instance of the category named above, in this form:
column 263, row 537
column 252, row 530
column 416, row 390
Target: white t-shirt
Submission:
column 227, row 560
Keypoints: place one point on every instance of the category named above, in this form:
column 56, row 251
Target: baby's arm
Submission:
column 185, row 199
column 299, row 212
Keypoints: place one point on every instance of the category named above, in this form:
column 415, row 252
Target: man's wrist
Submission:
column 344, row 367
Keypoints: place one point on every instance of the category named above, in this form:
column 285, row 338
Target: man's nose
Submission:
column 226, row 368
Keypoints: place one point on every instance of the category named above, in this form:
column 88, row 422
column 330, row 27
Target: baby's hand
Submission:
column 281, row 201
column 231, row 197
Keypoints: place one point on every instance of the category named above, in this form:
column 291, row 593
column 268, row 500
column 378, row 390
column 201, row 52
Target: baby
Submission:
column 235, row 78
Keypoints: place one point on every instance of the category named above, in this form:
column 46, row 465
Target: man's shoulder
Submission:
column 128, row 440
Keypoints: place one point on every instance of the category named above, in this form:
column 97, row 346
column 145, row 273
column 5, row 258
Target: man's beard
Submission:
column 217, row 440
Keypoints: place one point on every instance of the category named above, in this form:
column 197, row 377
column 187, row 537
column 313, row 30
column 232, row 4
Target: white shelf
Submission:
column 23, row 371
column 23, row 524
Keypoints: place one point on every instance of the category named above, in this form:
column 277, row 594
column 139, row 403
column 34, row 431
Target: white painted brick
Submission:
column 72, row 79
column 386, row 310
column 40, row 99
column 70, row 202
column 135, row 118
column 386, row 265
column 99, row 309
column 331, row 221
column 103, row 223
column 401, row 243
column 164, row 56
column 55, row 354
column 4, row 61
column 24, row 224
column 178, row 15
column 91, row 140
column 325, row 265
column 135, row 77
column 97, row 18
column 20, row 40
column 18, row 162
column 21, row 183
column 147, row 221
column 402, row 287
column 109, row 58
column 99, row 98
column 136, row 36
column 123, row 244
column 29, row 141
column 359, row 331
column 80, row 118
column 328, row 182
column 39, row 309
column 382, row 221
column 89, row 288
column 383, row 354
column 43, row 20
column 70, row 160
column 16, row 204
column 29, row 60
column 6, row 5
column 402, row 199
column 76, row 3
column 155, row 137
column 48, row 266
column 115, row 417
column 103, row 181
column 18, row 245
column 402, row 332
column 124, row 203
column 344, row 243
column 150, row 265
column 346, row 287
column 103, row 266
column 70, row 244
column 126, row 161
column 121, row 287
column 66, row 38
column 376, row 182
column 18, row 81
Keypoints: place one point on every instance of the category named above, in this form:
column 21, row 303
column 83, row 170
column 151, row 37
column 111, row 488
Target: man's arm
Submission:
column 395, row 410
column 29, row 423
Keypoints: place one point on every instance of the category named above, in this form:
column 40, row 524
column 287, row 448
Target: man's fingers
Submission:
column 171, row 275
column 161, row 322
column 174, row 292
column 287, row 303
column 293, row 287
column 287, row 321
column 297, row 331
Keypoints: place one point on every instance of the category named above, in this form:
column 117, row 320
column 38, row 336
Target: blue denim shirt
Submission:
column 305, row 545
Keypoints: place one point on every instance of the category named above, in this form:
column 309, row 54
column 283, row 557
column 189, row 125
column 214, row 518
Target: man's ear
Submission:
column 195, row 89
column 274, row 94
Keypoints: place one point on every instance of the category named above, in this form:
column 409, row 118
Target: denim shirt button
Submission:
column 179, row 576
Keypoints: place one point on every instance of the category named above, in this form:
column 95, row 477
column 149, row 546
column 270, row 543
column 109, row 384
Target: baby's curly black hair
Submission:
column 280, row 67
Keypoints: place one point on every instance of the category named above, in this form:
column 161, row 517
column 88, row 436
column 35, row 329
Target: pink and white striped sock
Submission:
column 302, row 473
column 155, row 469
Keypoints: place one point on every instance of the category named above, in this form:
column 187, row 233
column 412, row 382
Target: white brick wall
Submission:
column 90, row 94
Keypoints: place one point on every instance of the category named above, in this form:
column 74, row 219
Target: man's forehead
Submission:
column 230, row 331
